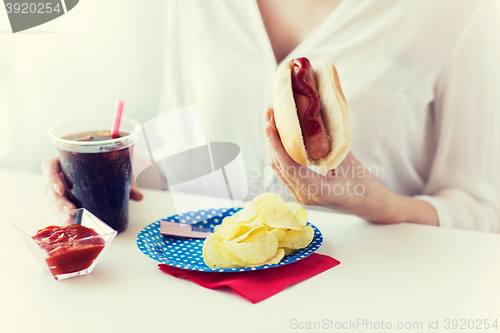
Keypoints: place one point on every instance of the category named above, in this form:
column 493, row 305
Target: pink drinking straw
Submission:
column 118, row 117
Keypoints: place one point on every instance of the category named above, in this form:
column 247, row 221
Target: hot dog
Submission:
column 311, row 113
column 308, row 106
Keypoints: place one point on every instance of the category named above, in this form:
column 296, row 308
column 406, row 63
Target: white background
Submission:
column 78, row 64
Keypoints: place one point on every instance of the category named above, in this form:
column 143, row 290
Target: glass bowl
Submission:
column 67, row 258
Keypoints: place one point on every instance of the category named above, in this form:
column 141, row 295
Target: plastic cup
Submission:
column 98, row 174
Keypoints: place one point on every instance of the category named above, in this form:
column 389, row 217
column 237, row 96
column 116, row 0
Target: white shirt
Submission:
column 422, row 79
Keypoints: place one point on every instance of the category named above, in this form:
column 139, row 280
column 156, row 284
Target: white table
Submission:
column 400, row 273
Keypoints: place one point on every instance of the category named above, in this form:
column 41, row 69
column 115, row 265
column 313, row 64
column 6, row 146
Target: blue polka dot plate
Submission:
column 187, row 252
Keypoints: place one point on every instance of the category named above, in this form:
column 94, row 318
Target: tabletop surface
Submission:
column 401, row 274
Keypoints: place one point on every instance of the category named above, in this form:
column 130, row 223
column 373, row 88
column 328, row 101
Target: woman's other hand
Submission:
column 56, row 187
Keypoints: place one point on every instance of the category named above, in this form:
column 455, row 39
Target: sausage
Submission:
column 305, row 93
column 309, row 132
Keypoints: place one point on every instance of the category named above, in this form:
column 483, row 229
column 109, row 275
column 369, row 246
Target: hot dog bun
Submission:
column 334, row 109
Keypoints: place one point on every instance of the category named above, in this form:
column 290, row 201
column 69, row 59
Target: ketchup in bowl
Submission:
column 71, row 248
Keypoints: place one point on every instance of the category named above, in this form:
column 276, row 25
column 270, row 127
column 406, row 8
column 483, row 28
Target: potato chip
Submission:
column 297, row 239
column 256, row 222
column 227, row 220
column 294, row 206
column 262, row 233
column 276, row 259
column 301, row 216
column 276, row 214
column 254, row 230
column 258, row 198
column 248, row 213
column 299, row 212
column 211, row 252
column 254, row 250
column 230, row 257
column 236, row 215
column 279, row 233
column 231, row 231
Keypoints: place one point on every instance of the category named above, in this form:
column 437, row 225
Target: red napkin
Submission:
column 258, row 285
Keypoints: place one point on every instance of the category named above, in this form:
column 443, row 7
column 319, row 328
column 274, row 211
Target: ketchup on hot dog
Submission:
column 309, row 108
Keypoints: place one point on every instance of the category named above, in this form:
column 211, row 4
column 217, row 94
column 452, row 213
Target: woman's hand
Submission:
column 56, row 187
column 350, row 188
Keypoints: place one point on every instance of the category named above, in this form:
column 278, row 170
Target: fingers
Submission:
column 57, row 202
column 297, row 178
column 276, row 168
column 135, row 194
column 51, row 169
column 274, row 144
column 55, row 187
column 280, row 161
column 274, row 141
column 290, row 169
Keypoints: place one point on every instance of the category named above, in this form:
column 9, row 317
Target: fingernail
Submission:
column 268, row 132
column 65, row 208
column 57, row 188
column 268, row 115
